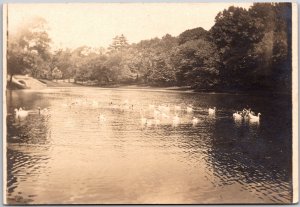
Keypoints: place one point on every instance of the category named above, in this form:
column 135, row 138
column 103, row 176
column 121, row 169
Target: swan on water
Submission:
column 254, row 118
column 151, row 106
column 189, row 109
column 125, row 107
column 149, row 122
column 164, row 108
column 160, row 107
column 176, row 120
column 164, row 115
column 20, row 113
column 101, row 118
column 156, row 113
column 195, row 121
column 95, row 104
column 143, row 121
column 237, row 116
column 212, row 111
column 64, row 105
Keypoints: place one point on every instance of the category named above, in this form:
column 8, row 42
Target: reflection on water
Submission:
column 110, row 146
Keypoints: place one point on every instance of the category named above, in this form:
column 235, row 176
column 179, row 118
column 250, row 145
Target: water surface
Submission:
column 69, row 156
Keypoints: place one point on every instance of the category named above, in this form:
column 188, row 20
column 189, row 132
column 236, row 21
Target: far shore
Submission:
column 66, row 83
column 116, row 86
column 162, row 88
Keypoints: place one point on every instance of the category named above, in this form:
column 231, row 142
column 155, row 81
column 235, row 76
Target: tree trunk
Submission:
column 10, row 79
column 137, row 78
column 107, row 79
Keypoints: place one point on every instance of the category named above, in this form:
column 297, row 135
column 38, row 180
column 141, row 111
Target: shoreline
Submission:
column 187, row 89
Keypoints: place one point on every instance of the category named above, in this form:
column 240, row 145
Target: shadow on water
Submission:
column 257, row 155
column 27, row 142
column 23, row 166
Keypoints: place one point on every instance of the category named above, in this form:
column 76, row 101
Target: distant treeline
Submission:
column 244, row 50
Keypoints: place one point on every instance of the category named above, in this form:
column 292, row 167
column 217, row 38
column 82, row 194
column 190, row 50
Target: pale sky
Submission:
column 94, row 25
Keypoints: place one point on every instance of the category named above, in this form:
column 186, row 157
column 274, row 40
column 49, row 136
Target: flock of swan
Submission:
column 246, row 114
column 151, row 115
column 161, row 111
column 164, row 112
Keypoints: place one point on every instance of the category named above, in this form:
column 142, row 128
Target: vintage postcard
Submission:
column 150, row 103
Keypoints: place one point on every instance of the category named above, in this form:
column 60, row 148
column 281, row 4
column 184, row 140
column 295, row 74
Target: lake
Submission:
column 68, row 155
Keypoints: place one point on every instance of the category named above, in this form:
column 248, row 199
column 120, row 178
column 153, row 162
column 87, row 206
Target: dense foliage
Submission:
column 244, row 50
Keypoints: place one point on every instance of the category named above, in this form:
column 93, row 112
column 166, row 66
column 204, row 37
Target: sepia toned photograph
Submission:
column 150, row 103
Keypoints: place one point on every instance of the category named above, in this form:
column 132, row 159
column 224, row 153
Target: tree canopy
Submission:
column 28, row 49
column 246, row 49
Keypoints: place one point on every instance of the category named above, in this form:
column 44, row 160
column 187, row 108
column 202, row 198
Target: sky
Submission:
column 94, row 25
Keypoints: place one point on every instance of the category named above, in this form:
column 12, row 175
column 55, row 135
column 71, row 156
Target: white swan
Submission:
column 149, row 122
column 176, row 120
column 64, row 105
column 254, row 118
column 20, row 113
column 143, row 121
column 212, row 111
column 156, row 113
column 166, row 108
column 151, row 106
column 195, row 121
column 237, row 116
column 189, row 109
column 84, row 102
column 125, row 107
column 16, row 112
column 95, row 104
column 160, row 107
column 164, row 116
column 101, row 118
column 114, row 106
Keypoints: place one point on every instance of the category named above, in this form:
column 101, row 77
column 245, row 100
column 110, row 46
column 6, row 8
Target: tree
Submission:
column 163, row 72
column 192, row 34
column 18, row 61
column 235, row 32
column 153, row 60
column 29, row 49
column 254, row 46
column 273, row 52
column 56, row 73
column 113, row 64
column 197, row 63
column 119, row 43
column 63, row 60
column 98, row 69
